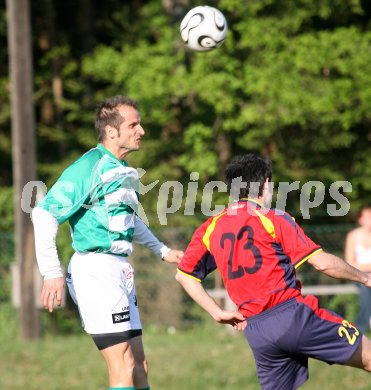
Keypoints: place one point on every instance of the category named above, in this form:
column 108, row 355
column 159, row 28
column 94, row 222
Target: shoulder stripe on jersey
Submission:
column 209, row 230
column 121, row 195
column 291, row 221
column 120, row 223
column 267, row 223
column 302, row 261
column 190, row 276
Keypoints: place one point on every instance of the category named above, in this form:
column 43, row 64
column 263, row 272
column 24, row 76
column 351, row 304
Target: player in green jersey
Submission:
column 98, row 196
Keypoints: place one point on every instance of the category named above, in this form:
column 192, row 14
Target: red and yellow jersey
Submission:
column 256, row 251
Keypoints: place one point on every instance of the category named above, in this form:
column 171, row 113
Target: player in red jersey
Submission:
column 257, row 251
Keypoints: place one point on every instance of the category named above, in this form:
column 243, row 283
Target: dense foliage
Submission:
column 291, row 81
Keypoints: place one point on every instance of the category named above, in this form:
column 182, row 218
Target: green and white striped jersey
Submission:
column 98, row 195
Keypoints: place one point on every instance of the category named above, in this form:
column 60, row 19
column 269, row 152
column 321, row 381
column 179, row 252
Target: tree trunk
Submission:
column 23, row 151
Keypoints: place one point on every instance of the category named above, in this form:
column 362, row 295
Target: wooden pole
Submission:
column 23, row 153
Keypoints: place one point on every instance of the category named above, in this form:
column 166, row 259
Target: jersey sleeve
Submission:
column 46, row 229
column 144, row 236
column 295, row 243
column 197, row 261
column 71, row 190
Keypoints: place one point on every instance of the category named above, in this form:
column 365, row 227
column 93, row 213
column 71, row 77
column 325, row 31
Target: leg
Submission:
column 141, row 366
column 105, row 292
column 121, row 364
column 368, row 320
column 362, row 356
column 362, row 320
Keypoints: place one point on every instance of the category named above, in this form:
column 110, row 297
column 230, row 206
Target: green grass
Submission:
column 203, row 358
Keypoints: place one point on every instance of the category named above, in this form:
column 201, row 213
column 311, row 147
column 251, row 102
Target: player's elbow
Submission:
column 323, row 262
column 319, row 266
column 179, row 277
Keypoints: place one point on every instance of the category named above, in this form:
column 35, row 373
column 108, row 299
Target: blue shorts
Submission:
column 284, row 337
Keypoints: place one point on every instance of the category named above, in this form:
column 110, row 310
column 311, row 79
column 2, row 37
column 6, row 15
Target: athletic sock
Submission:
column 128, row 388
column 121, row 388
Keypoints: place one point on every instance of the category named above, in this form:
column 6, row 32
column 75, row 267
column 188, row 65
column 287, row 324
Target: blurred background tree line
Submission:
column 291, row 81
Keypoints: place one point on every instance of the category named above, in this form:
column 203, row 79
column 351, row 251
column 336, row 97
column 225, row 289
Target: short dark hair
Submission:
column 107, row 114
column 250, row 168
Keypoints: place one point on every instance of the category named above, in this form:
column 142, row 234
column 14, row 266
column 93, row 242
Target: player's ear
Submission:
column 266, row 184
column 111, row 132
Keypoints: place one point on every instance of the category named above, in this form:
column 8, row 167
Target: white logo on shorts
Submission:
column 121, row 317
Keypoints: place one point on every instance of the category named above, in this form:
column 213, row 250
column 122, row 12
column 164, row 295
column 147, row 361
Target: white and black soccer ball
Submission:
column 203, row 28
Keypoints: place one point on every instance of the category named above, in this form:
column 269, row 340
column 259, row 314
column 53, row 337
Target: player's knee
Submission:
column 123, row 369
column 367, row 360
column 119, row 360
column 129, row 364
column 142, row 365
column 145, row 365
column 365, row 350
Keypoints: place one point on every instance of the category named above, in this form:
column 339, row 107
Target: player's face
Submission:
column 130, row 132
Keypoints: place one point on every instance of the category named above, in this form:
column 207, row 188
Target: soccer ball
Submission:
column 203, row 28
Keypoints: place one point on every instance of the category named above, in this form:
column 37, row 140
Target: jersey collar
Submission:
column 106, row 151
column 250, row 200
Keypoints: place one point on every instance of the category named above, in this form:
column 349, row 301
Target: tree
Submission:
column 24, row 167
column 291, row 81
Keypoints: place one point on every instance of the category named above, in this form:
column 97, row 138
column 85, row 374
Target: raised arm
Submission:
column 337, row 268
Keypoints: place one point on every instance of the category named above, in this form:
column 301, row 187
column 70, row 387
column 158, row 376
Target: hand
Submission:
column 173, row 256
column 52, row 289
column 234, row 318
column 368, row 282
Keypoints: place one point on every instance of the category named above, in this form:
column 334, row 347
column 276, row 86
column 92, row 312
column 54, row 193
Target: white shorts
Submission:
column 102, row 286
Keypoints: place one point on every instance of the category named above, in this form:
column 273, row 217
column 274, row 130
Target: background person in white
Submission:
column 98, row 196
column 358, row 254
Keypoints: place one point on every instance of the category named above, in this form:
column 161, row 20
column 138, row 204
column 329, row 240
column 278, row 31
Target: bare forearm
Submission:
column 364, row 267
column 336, row 268
column 196, row 291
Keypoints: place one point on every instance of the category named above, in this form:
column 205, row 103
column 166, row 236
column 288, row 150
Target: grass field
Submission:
column 205, row 358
